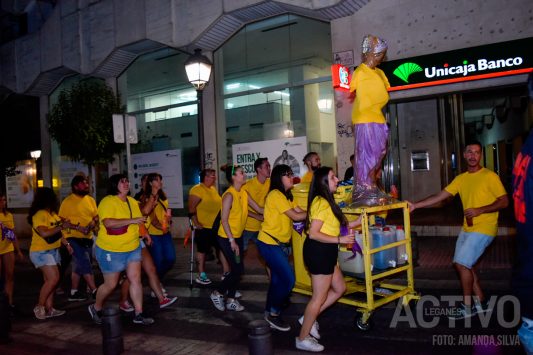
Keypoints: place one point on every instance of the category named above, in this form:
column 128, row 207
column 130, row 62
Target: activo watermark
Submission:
column 430, row 310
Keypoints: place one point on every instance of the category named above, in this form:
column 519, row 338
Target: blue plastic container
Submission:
column 386, row 258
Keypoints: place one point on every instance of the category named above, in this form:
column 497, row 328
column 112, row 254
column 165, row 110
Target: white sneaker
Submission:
column 238, row 294
column 314, row 329
column 218, row 300
column 308, row 344
column 234, row 305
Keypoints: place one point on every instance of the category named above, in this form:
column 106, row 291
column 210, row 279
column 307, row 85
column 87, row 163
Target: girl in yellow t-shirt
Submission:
column 232, row 222
column 44, row 249
column 276, row 232
column 8, row 247
column 320, row 253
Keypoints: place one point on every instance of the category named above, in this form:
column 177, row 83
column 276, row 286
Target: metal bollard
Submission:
column 112, row 341
column 259, row 340
column 5, row 319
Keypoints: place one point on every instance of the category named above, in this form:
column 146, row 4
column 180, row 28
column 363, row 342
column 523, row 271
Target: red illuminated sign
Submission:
column 340, row 76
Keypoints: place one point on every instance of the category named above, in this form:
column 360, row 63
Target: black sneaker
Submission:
column 140, row 319
column 277, row 322
column 76, row 296
column 95, row 315
column 463, row 312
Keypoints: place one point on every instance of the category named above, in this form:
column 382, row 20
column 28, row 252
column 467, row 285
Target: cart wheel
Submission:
column 363, row 326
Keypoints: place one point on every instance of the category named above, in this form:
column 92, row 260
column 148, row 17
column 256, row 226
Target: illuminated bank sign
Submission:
column 484, row 62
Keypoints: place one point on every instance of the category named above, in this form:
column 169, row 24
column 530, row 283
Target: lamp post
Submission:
column 35, row 154
column 198, row 68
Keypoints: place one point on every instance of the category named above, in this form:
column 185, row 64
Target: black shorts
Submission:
column 320, row 258
column 205, row 239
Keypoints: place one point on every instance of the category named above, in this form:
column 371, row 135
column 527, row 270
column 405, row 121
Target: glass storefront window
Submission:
column 277, row 84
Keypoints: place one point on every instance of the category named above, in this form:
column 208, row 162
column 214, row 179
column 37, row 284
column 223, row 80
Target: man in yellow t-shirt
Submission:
column 80, row 208
column 369, row 88
column 312, row 162
column 257, row 188
column 482, row 195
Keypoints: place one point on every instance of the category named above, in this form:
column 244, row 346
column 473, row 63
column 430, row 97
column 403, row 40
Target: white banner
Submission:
column 20, row 187
column 289, row 151
column 167, row 163
column 67, row 170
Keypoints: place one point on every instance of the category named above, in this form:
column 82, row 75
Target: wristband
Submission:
column 231, row 239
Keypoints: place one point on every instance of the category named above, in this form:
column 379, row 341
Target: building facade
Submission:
column 272, row 78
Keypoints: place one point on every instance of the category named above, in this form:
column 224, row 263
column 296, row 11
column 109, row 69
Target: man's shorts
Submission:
column 45, row 257
column 205, row 239
column 82, row 257
column 470, row 247
column 111, row 262
column 247, row 236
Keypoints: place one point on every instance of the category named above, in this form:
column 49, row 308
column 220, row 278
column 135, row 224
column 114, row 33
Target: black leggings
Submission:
column 231, row 281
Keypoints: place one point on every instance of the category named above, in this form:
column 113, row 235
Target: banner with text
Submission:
column 167, row 163
column 290, row 151
column 20, row 186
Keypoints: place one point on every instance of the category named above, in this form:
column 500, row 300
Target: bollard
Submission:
column 112, row 341
column 259, row 340
column 5, row 319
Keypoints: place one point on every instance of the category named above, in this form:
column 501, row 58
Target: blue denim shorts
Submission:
column 45, row 257
column 111, row 262
column 246, row 237
column 469, row 248
column 81, row 258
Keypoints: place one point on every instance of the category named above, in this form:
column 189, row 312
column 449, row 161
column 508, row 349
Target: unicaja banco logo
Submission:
column 405, row 70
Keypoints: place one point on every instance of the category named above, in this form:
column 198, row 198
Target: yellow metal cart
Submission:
column 372, row 292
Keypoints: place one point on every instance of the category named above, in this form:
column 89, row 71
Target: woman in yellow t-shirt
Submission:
column 204, row 211
column 44, row 249
column 320, row 253
column 9, row 245
column 118, row 247
column 232, row 222
column 274, row 236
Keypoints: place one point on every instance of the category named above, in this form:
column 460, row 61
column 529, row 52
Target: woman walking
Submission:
column 233, row 220
column 274, row 237
column 44, row 249
column 320, row 254
column 9, row 246
column 118, row 247
column 204, row 210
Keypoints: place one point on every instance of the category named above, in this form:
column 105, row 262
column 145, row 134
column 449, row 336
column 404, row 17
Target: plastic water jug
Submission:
column 389, row 233
column 401, row 250
column 350, row 264
column 381, row 259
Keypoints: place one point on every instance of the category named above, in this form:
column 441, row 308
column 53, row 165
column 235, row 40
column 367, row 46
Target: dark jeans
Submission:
column 281, row 276
column 163, row 253
column 232, row 280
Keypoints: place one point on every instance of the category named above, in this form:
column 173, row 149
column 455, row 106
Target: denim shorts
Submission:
column 247, row 236
column 469, row 248
column 111, row 262
column 81, row 257
column 45, row 257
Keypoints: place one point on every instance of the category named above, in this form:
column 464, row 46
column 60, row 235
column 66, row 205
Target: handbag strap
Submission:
column 275, row 239
column 129, row 207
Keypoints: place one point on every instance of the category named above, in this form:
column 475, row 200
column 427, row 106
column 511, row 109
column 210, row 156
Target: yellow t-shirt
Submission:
column 258, row 192
column 237, row 214
column 112, row 206
column 6, row 245
column 159, row 212
column 276, row 222
column 79, row 210
column 43, row 218
column 308, row 176
column 209, row 206
column 370, row 86
column 479, row 189
column 321, row 210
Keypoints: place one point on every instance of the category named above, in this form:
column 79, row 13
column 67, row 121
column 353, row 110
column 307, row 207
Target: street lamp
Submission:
column 198, row 68
column 35, row 154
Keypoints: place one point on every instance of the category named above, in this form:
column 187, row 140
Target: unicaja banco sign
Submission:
column 496, row 60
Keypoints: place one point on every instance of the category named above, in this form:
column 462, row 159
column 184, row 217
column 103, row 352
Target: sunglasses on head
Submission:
column 288, row 174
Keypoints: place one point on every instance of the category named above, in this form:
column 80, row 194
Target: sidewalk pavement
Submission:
column 193, row 326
